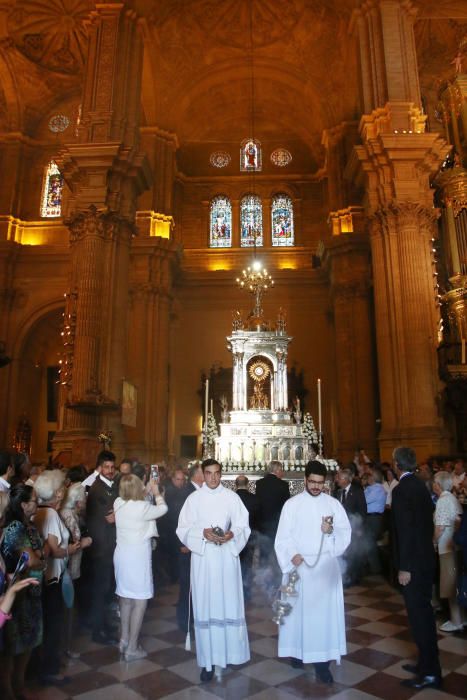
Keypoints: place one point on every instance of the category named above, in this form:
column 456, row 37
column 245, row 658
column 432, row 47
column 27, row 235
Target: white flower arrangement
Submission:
column 210, row 431
column 308, row 428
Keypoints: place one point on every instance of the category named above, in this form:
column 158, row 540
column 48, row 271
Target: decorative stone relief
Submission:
column 51, row 33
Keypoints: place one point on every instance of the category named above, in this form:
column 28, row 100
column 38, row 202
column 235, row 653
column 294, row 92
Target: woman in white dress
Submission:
column 135, row 520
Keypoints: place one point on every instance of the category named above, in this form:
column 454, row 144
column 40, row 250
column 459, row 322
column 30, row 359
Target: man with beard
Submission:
column 100, row 521
column 313, row 532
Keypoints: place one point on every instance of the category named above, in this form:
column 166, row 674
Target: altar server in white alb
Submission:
column 313, row 532
column 216, row 579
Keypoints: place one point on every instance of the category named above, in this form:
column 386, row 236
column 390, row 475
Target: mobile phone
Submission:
column 155, row 472
column 22, row 564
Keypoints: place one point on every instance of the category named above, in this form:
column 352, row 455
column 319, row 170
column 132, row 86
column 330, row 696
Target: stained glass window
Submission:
column 51, row 201
column 220, row 223
column 282, row 225
column 251, row 221
column 250, row 155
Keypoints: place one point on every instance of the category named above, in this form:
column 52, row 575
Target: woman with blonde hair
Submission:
column 447, row 516
column 135, row 520
column 74, row 503
column 50, row 489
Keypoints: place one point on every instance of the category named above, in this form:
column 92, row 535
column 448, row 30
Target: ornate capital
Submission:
column 95, row 223
column 406, row 214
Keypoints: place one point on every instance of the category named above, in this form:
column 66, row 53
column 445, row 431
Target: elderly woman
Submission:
column 23, row 632
column 51, row 492
column 74, row 504
column 135, row 520
column 447, row 516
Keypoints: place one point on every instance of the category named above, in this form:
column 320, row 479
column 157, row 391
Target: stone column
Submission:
column 347, row 259
column 394, row 164
column 105, row 173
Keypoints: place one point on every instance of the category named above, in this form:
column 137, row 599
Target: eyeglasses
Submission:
column 312, row 482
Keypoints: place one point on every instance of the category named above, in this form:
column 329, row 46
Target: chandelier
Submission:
column 256, row 280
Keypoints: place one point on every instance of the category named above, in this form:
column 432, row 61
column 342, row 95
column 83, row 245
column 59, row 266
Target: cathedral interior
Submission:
column 152, row 149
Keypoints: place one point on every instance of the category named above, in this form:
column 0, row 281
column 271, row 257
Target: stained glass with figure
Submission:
column 220, row 223
column 52, row 190
column 251, row 221
column 282, row 224
column 250, row 155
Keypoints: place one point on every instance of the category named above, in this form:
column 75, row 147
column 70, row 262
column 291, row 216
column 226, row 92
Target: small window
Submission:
column 220, row 223
column 251, row 221
column 250, row 155
column 52, row 189
column 282, row 224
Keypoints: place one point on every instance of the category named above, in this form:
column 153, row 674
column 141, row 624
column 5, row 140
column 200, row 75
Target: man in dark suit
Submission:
column 175, row 496
column 352, row 498
column 251, row 503
column 272, row 492
column 195, row 481
column 414, row 560
column 100, row 520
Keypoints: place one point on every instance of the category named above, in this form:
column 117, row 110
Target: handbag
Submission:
column 462, row 589
column 68, row 589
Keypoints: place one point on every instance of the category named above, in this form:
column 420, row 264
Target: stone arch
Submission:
column 11, row 95
column 35, row 348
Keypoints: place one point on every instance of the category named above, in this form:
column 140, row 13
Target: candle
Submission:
column 206, row 395
column 298, row 405
column 211, row 406
column 319, row 406
column 463, row 351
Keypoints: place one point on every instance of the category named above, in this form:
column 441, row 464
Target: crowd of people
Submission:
column 88, row 549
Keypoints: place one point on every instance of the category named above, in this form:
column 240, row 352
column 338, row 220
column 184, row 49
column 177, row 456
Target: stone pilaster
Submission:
column 161, row 147
column 347, row 260
column 149, row 357
column 388, row 62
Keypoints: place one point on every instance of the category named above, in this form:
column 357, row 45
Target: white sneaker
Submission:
column 135, row 655
column 450, row 627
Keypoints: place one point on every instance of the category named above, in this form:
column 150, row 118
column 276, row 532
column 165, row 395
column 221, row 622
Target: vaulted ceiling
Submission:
column 208, row 61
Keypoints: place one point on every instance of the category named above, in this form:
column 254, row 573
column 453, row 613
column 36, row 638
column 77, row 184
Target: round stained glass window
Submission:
column 281, row 157
column 219, row 159
column 58, row 123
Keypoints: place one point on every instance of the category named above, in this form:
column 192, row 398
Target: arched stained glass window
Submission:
column 220, row 223
column 251, row 221
column 282, row 225
column 250, row 155
column 52, row 189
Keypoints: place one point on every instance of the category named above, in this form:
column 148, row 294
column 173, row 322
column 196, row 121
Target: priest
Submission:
column 313, row 532
column 213, row 524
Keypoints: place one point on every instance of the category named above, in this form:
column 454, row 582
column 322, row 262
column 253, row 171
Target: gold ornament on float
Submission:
column 259, row 371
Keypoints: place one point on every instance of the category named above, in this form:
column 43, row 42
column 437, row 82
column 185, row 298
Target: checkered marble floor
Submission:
column 378, row 643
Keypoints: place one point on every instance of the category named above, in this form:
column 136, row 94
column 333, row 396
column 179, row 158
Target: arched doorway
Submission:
column 34, row 390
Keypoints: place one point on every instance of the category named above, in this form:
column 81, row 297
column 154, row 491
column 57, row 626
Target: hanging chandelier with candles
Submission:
column 256, row 280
